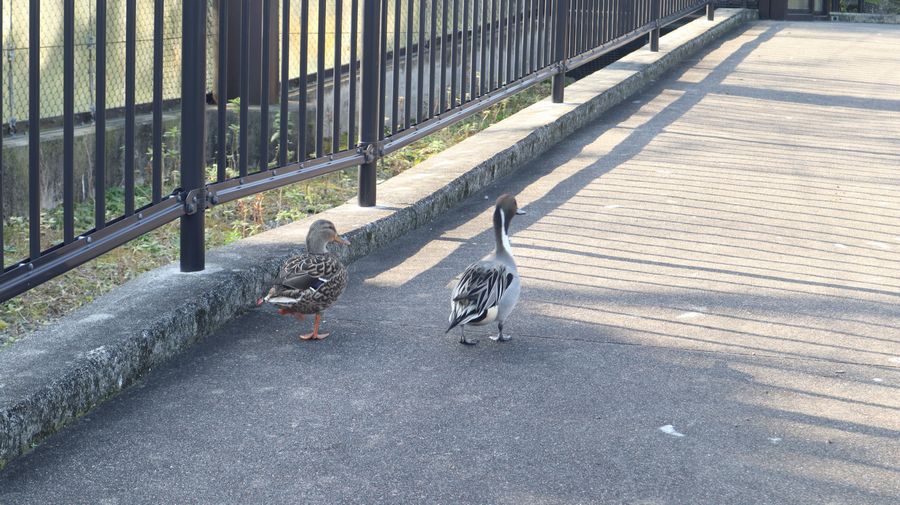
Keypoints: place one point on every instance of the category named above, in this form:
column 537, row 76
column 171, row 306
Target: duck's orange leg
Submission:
column 315, row 335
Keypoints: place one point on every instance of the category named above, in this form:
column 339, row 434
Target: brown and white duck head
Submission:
column 321, row 233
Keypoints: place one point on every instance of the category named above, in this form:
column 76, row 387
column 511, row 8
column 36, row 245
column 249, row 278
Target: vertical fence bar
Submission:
column 193, row 132
column 501, row 21
column 631, row 9
column 303, row 95
column 592, row 36
column 531, row 30
column 654, row 34
column 607, row 21
column 587, row 14
column 34, row 129
column 493, row 80
column 454, row 54
column 620, row 17
column 285, row 78
column 598, row 20
column 100, row 121
column 130, row 63
column 576, row 29
column 409, row 62
column 68, row 125
column 157, row 167
column 369, row 118
column 263, row 162
column 395, row 70
column 525, row 22
column 420, row 65
column 382, row 82
column 549, row 18
column 432, row 40
column 711, row 11
column 560, row 17
column 540, row 34
column 476, row 41
column 517, row 37
column 611, row 18
column 443, row 97
column 337, row 77
column 320, row 82
column 512, row 44
column 464, row 77
column 245, row 89
column 222, row 91
column 510, row 40
column 351, row 119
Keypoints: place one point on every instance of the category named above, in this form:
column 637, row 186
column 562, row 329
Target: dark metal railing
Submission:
column 457, row 57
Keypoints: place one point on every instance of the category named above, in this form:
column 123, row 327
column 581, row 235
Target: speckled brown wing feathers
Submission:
column 315, row 281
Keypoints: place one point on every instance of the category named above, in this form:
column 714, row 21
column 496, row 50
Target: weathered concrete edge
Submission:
column 82, row 383
column 855, row 17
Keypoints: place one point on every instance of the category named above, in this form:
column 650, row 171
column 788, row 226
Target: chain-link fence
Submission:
column 421, row 8
column 15, row 50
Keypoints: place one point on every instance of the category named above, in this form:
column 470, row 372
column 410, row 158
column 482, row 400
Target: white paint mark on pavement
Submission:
column 95, row 318
column 880, row 245
column 689, row 315
column 670, row 430
column 774, row 440
column 612, row 206
column 878, row 379
column 840, row 246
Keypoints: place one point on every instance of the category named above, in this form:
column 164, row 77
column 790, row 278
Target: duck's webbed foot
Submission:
column 315, row 335
column 463, row 339
column 500, row 337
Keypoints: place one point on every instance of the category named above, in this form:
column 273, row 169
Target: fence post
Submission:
column 193, row 134
column 370, row 122
column 560, row 36
column 654, row 33
column 711, row 10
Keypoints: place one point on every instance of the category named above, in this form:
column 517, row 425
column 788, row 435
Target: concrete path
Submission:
column 711, row 314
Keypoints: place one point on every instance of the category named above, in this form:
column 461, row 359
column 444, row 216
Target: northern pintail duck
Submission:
column 489, row 289
column 311, row 282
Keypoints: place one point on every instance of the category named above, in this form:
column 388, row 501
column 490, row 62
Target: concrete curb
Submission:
column 57, row 374
column 852, row 17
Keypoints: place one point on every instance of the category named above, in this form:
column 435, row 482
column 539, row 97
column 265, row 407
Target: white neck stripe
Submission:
column 503, row 236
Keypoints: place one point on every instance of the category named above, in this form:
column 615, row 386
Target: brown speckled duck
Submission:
column 311, row 282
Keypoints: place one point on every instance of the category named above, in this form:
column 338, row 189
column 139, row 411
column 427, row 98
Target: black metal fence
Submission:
column 412, row 69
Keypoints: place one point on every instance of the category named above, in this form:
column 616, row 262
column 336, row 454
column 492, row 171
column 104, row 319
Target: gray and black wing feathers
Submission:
column 479, row 289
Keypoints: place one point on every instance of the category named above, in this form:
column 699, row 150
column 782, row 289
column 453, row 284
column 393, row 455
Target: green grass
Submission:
column 224, row 224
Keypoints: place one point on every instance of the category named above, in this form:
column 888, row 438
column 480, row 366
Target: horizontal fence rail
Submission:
column 273, row 92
